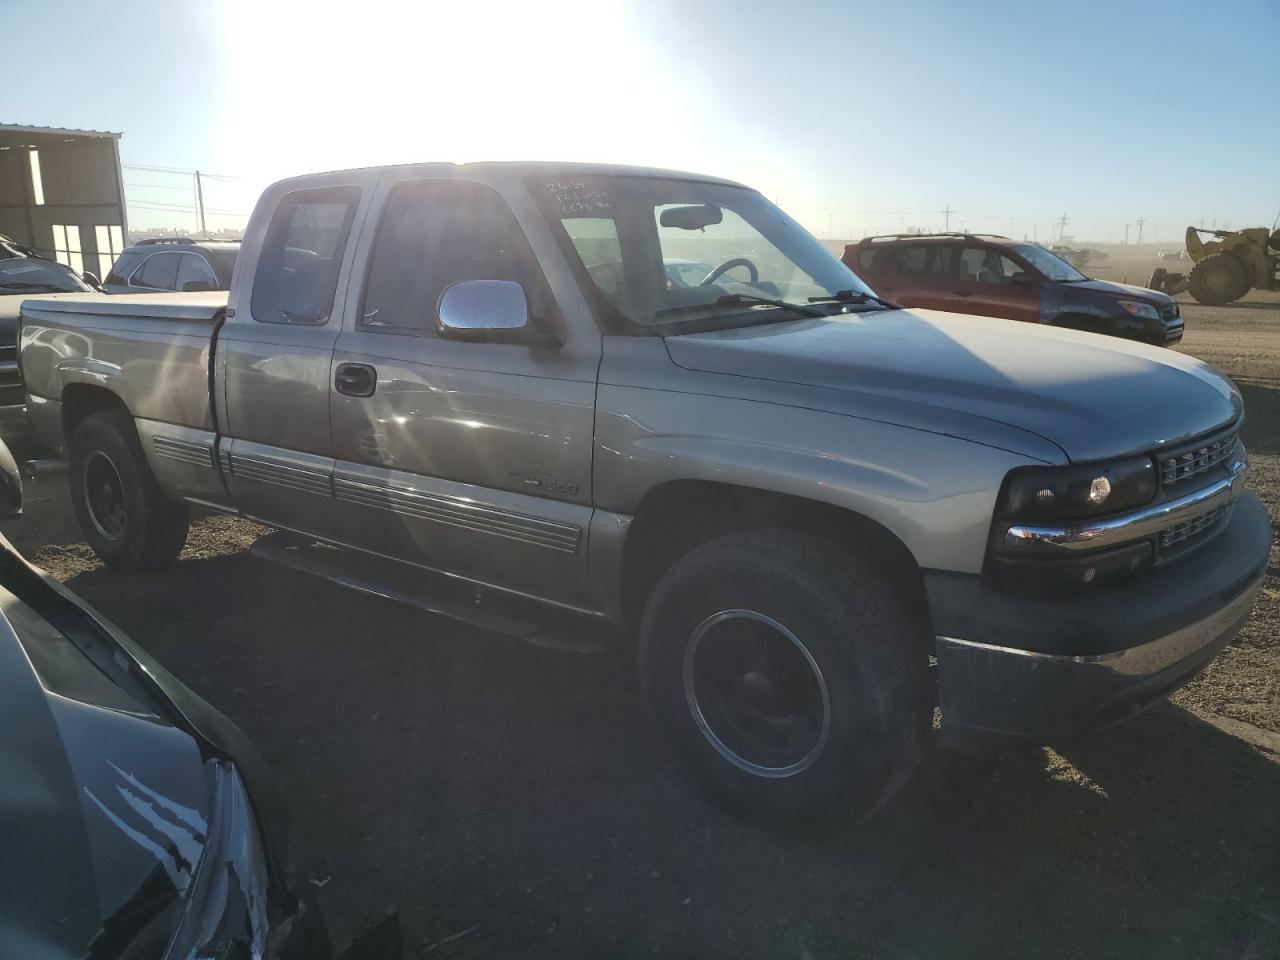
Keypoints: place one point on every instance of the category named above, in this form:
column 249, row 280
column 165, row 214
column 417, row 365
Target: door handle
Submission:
column 355, row 379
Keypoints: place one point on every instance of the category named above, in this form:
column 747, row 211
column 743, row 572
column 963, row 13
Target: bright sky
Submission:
column 856, row 116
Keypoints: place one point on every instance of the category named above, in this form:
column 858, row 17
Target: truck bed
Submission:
column 151, row 350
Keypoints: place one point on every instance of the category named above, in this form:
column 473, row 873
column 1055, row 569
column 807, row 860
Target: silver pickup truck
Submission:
column 648, row 407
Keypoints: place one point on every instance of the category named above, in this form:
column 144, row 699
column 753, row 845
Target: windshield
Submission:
column 1048, row 263
column 669, row 253
column 32, row 275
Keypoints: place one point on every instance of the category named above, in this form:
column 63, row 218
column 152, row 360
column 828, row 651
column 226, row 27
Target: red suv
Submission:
column 994, row 276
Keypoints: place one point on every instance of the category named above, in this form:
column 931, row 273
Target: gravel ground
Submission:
column 513, row 801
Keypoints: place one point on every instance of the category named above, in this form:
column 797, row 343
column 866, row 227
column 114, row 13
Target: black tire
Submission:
column 847, row 645
column 1157, row 279
column 1217, row 279
column 124, row 515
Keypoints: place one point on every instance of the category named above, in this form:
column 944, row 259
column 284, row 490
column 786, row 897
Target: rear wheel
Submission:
column 124, row 515
column 786, row 675
column 1219, row 278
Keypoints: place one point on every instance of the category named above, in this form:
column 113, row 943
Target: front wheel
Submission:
column 124, row 515
column 786, row 675
column 1219, row 279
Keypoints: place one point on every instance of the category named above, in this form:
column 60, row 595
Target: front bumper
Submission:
column 1047, row 668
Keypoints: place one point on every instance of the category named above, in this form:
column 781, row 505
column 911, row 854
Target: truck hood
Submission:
column 1092, row 396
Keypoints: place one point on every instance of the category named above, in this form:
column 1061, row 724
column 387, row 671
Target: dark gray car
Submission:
column 24, row 274
column 173, row 263
column 138, row 821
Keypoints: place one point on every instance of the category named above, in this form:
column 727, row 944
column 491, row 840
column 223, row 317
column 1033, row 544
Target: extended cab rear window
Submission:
column 302, row 255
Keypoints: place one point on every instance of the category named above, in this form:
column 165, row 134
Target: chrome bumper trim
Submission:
column 1117, row 531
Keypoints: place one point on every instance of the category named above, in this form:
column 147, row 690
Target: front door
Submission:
column 467, row 457
column 993, row 285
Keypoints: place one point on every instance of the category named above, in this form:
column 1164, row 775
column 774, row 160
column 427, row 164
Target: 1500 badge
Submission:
column 548, row 483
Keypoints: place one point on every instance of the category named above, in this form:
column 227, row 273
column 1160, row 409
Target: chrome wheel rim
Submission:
column 756, row 694
column 104, row 496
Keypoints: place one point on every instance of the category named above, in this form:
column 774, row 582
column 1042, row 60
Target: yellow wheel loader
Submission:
column 1227, row 267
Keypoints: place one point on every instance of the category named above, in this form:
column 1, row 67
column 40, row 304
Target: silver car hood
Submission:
column 1093, row 396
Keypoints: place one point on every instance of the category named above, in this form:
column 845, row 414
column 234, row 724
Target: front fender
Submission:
column 935, row 493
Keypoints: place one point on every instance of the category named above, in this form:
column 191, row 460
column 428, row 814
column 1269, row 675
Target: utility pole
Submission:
column 200, row 202
column 1141, row 223
column 1126, row 234
column 1062, row 226
column 947, row 213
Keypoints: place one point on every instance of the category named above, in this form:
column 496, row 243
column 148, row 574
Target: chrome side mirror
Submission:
column 485, row 310
column 10, row 484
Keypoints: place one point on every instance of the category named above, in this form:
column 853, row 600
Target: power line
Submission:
column 180, row 170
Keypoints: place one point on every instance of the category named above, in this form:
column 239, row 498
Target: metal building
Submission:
column 61, row 193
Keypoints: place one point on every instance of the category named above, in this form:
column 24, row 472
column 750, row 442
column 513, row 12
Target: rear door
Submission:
column 158, row 272
column 918, row 275
column 274, row 353
column 467, row 457
column 992, row 284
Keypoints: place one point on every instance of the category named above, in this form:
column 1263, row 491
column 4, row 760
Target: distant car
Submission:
column 23, row 273
column 173, row 263
column 139, row 822
column 997, row 277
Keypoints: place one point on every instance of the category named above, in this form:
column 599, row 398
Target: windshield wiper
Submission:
column 849, row 296
column 743, row 300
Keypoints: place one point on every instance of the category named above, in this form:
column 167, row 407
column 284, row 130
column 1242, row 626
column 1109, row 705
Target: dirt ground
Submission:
column 515, row 802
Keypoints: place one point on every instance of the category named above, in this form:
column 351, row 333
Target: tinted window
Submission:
column 982, row 265
column 193, row 270
column 127, row 263
column 434, row 234
column 913, row 259
column 33, row 275
column 223, row 261
column 301, row 256
column 943, row 260
column 160, row 272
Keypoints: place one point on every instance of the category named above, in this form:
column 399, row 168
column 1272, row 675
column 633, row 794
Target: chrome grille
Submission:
column 1176, row 467
column 1180, row 533
column 1169, row 311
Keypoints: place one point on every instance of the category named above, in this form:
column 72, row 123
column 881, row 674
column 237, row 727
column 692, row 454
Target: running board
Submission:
column 457, row 599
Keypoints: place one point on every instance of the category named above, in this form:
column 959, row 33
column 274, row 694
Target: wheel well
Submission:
column 80, row 400
column 676, row 517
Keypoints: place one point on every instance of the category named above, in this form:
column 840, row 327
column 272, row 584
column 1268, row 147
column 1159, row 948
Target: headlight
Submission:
column 1046, row 494
column 1136, row 308
column 225, row 910
column 1054, row 496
